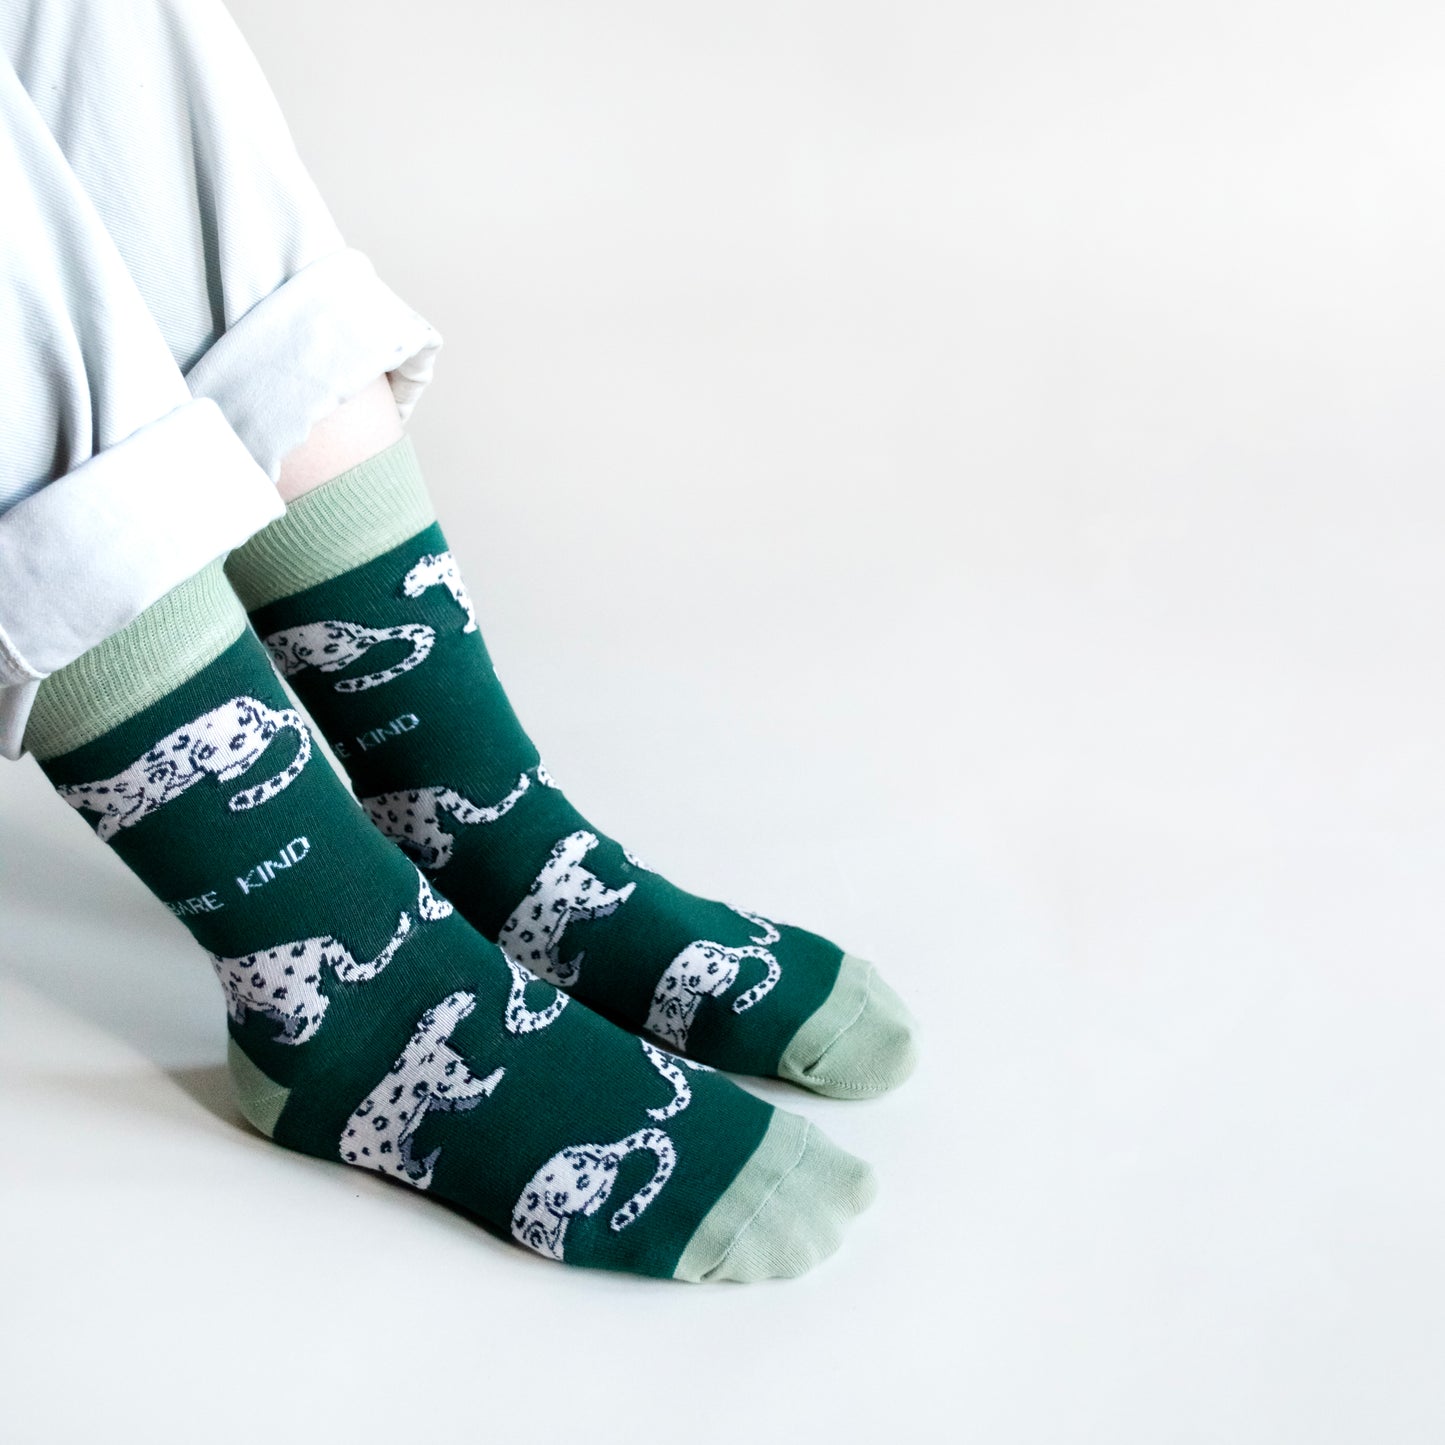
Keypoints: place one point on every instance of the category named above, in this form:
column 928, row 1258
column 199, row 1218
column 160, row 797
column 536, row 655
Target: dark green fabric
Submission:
column 577, row 1082
column 446, row 723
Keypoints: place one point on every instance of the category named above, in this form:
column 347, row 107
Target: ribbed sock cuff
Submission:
column 172, row 640
column 340, row 525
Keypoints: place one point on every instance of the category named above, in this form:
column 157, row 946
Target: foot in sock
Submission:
column 362, row 606
column 370, row 1024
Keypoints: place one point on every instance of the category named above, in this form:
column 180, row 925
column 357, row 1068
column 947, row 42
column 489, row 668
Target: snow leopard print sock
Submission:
column 359, row 600
column 371, row 1025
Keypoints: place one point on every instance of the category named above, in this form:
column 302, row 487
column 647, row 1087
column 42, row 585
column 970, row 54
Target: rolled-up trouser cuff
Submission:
column 86, row 555
column 313, row 343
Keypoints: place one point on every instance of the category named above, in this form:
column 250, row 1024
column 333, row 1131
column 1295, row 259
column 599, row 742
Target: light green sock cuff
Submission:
column 338, row 526
column 173, row 639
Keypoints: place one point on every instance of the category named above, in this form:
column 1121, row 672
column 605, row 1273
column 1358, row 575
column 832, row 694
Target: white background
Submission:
column 965, row 477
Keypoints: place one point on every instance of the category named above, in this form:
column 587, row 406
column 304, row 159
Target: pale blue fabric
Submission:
column 161, row 242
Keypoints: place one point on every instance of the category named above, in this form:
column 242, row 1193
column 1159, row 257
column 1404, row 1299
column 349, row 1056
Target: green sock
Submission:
column 360, row 602
column 369, row 1023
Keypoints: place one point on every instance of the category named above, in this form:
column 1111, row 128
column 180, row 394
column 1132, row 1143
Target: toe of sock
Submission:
column 858, row 1044
column 786, row 1211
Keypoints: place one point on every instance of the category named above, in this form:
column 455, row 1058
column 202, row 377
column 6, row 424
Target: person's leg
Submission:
column 356, row 431
column 730, row 988
column 357, row 595
column 369, row 1023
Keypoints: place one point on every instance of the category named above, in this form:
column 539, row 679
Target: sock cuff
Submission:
column 340, row 525
column 172, row 640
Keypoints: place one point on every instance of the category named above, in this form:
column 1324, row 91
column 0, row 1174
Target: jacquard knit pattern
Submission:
column 401, row 1040
column 390, row 661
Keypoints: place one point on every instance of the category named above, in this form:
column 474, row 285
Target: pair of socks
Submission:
column 446, row 1011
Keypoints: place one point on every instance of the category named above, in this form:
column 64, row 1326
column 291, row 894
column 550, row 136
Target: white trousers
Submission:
column 178, row 310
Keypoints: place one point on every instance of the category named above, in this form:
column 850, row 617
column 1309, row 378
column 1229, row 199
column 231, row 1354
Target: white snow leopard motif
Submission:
column 770, row 930
column 440, row 569
column 432, row 906
column 333, row 645
column 518, row 1017
column 708, row 970
column 413, row 818
column 284, row 983
column 671, row 1068
column 578, row 1181
column 563, row 892
column 223, row 744
column 429, row 1076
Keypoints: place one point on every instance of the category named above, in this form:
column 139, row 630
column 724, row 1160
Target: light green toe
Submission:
column 785, row 1212
column 858, row 1044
